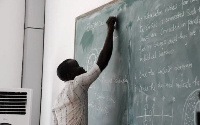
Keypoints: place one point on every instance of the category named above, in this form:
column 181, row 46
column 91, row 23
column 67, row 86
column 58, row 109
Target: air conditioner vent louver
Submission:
column 15, row 106
column 13, row 103
column 5, row 124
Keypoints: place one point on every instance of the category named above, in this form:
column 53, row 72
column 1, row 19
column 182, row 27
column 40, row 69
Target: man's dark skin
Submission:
column 73, row 68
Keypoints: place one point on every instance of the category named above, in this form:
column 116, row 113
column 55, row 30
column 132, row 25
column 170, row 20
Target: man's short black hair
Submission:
column 63, row 70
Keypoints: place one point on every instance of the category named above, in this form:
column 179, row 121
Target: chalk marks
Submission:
column 154, row 113
column 104, row 85
column 87, row 40
column 94, row 25
column 92, row 58
column 179, row 21
column 151, row 72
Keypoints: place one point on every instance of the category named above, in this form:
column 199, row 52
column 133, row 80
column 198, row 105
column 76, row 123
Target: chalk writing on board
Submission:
column 152, row 112
column 171, row 7
column 98, row 108
column 96, row 105
column 179, row 23
column 177, row 83
column 152, row 56
column 163, row 70
column 187, row 2
column 92, row 58
column 94, row 25
column 191, row 12
column 150, row 15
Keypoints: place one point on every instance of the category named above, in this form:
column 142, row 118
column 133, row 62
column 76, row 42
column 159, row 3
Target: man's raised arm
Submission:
column 106, row 52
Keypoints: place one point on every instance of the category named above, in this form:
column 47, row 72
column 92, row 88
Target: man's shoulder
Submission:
column 92, row 72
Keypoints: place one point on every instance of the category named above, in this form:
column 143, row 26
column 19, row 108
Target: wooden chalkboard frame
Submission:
column 89, row 13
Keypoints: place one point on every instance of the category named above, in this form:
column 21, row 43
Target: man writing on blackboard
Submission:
column 71, row 107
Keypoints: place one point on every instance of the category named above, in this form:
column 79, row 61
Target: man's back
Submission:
column 71, row 107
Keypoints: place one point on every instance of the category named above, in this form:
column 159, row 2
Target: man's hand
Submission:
column 111, row 23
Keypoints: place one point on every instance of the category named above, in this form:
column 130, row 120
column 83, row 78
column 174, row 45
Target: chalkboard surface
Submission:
column 154, row 72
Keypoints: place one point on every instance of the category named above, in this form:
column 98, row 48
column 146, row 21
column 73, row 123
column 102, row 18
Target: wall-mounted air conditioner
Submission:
column 15, row 106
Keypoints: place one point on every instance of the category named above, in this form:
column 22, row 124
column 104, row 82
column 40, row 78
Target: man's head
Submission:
column 69, row 69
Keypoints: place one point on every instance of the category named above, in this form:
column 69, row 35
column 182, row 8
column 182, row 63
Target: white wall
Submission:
column 59, row 44
column 11, row 42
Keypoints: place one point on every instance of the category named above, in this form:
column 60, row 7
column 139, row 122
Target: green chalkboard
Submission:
column 154, row 72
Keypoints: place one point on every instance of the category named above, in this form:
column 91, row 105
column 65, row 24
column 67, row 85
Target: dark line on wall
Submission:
column 42, row 62
column 34, row 28
column 24, row 40
column 23, row 45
